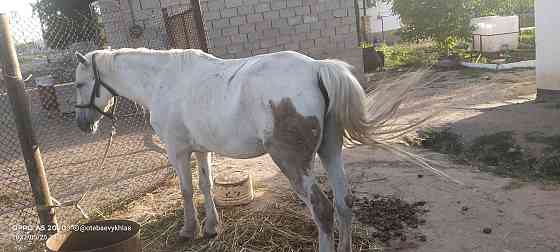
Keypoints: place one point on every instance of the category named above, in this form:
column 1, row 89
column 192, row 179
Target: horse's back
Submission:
column 280, row 77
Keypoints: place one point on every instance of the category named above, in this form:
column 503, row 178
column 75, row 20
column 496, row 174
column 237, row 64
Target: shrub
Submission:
column 408, row 55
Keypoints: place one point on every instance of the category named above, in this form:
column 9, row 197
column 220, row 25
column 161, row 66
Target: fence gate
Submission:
column 182, row 30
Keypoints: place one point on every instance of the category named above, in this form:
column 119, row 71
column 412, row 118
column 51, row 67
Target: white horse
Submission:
column 285, row 104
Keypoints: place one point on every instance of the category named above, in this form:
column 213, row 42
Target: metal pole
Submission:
column 382, row 30
column 29, row 146
column 197, row 14
column 365, row 16
column 357, row 10
column 481, row 50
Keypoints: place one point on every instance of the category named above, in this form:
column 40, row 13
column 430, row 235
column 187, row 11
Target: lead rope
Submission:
column 76, row 203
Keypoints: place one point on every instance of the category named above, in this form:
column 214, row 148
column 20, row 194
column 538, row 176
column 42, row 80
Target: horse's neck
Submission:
column 137, row 77
column 130, row 80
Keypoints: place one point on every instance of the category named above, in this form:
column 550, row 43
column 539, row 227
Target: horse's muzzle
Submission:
column 86, row 122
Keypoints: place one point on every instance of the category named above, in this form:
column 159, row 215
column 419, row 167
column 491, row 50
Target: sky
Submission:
column 25, row 26
column 22, row 6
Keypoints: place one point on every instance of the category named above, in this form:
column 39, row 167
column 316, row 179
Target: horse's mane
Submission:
column 147, row 52
column 183, row 57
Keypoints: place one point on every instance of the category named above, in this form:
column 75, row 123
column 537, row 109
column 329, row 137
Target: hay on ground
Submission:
column 277, row 227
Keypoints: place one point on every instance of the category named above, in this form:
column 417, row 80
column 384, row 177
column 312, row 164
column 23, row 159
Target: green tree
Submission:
column 524, row 8
column 503, row 7
column 67, row 21
column 444, row 21
column 447, row 22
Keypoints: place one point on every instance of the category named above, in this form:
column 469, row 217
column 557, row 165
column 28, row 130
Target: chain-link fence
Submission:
column 136, row 161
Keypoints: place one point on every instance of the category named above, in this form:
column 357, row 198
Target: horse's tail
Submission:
column 367, row 120
column 363, row 120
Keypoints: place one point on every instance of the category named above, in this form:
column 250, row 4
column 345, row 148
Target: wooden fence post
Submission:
column 21, row 111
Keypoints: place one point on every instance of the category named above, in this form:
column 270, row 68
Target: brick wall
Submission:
column 242, row 28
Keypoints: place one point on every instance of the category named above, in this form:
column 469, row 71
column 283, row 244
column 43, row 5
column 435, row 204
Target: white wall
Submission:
column 390, row 20
column 548, row 41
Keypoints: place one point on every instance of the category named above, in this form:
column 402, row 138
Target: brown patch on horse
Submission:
column 294, row 140
column 322, row 209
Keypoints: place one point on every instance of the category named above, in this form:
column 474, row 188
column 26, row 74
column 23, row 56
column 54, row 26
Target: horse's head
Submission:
column 95, row 98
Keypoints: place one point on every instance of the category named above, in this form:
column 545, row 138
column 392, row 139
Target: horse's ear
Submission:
column 81, row 58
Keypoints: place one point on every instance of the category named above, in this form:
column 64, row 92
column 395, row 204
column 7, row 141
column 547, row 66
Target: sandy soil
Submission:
column 522, row 217
column 474, row 103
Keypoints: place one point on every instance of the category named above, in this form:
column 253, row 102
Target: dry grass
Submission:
column 8, row 199
column 279, row 225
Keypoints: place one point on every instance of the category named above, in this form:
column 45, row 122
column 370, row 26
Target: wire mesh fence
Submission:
column 136, row 160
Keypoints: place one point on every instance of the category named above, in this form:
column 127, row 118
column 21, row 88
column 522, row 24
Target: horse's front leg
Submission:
column 180, row 156
column 211, row 226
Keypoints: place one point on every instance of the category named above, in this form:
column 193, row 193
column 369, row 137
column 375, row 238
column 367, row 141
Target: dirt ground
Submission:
column 517, row 216
column 134, row 165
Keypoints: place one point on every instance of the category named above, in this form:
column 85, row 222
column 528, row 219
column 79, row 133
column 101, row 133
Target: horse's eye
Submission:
column 79, row 85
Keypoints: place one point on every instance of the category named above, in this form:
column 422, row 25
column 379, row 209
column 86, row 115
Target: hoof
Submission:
column 211, row 232
column 210, row 235
column 187, row 235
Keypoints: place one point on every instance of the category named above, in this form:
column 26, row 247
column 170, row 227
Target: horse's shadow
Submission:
column 524, row 119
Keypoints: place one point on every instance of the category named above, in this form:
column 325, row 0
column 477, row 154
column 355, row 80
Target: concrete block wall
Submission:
column 117, row 20
column 242, row 28
column 318, row 28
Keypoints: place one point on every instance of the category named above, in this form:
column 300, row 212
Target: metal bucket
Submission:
column 99, row 236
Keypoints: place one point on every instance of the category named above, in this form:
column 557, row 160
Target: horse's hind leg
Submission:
column 205, row 183
column 292, row 147
column 330, row 153
column 180, row 158
column 309, row 192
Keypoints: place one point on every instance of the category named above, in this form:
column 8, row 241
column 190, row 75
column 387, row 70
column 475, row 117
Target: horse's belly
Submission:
column 233, row 150
column 233, row 146
column 242, row 155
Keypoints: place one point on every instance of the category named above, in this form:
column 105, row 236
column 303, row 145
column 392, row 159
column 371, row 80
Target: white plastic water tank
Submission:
column 496, row 33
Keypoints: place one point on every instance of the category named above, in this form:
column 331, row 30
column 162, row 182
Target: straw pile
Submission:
column 284, row 226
